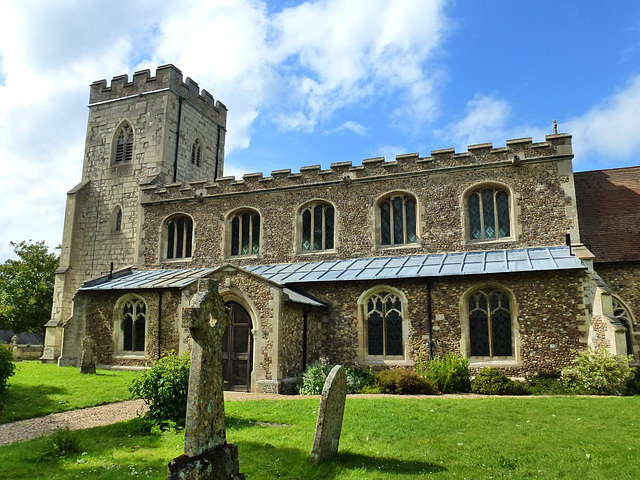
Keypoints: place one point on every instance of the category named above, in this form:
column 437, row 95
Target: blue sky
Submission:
column 318, row 82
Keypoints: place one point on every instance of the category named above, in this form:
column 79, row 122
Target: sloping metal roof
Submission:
column 302, row 298
column 148, row 279
column 431, row 265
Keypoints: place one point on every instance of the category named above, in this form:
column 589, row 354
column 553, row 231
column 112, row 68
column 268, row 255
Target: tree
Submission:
column 26, row 287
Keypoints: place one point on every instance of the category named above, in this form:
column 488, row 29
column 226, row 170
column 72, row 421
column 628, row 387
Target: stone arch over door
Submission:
column 238, row 349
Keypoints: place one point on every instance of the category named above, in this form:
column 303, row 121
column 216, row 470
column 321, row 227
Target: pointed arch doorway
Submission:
column 237, row 350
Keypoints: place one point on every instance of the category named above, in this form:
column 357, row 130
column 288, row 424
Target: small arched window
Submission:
column 624, row 317
column 196, row 153
column 116, row 219
column 383, row 320
column 318, row 220
column 245, row 233
column 398, row 220
column 489, row 214
column 490, row 324
column 179, row 237
column 133, row 325
column 124, row 143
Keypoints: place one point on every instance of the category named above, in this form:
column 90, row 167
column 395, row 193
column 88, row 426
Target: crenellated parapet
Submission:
column 516, row 152
column 167, row 77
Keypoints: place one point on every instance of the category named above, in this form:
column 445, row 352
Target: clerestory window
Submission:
column 178, row 237
column 318, row 222
column 490, row 324
column 133, row 325
column 123, row 143
column 245, row 233
column 398, row 218
column 488, row 211
column 383, row 324
column 196, row 153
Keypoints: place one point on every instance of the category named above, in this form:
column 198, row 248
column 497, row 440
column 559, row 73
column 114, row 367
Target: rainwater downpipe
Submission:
column 430, row 317
column 305, row 327
column 159, row 322
column 215, row 173
column 175, row 158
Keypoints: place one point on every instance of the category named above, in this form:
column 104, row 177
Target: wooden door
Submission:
column 237, row 350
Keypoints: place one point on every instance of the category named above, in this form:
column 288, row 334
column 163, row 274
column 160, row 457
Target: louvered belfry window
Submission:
column 245, row 233
column 383, row 311
column 398, row 220
column 490, row 324
column 488, row 210
column 124, row 144
column 179, row 237
column 317, row 227
column 196, row 153
column 133, row 326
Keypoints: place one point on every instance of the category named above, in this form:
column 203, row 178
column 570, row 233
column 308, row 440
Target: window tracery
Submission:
column 196, row 153
column 488, row 210
column 245, row 233
column 398, row 217
column 179, row 237
column 624, row 317
column 133, row 325
column 318, row 221
column 124, row 144
column 383, row 315
column 490, row 324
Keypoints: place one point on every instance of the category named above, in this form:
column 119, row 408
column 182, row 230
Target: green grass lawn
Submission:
column 385, row 438
column 39, row 389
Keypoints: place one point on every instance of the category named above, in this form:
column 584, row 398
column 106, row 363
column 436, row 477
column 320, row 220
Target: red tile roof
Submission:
column 609, row 212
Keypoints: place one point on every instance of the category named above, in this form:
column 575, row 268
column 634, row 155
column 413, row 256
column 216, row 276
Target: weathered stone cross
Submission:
column 207, row 455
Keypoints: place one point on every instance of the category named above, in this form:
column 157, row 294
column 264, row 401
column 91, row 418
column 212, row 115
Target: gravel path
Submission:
column 116, row 412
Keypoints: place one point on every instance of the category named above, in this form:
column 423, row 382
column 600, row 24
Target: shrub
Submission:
column 547, row 383
column 7, row 367
column 633, row 384
column 597, row 372
column 61, row 443
column 491, row 381
column 164, row 388
column 316, row 374
column 404, row 381
column 450, row 373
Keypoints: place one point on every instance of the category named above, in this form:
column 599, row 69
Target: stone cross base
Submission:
column 217, row 463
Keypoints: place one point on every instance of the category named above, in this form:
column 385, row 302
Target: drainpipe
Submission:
column 430, row 317
column 175, row 158
column 159, row 322
column 215, row 173
column 305, row 327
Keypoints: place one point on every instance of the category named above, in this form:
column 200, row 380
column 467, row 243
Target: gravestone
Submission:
column 207, row 455
column 330, row 414
column 88, row 360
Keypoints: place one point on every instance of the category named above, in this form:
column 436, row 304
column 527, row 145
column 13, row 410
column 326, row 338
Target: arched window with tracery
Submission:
column 318, row 221
column 383, row 324
column 133, row 325
column 488, row 210
column 490, row 324
column 398, row 219
column 245, row 233
column 196, row 153
column 123, row 143
column 621, row 313
column 179, row 237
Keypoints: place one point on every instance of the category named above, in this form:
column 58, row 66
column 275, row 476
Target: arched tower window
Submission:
column 621, row 313
column 116, row 219
column 318, row 227
column 245, row 233
column 490, row 324
column 196, row 153
column 133, row 319
column 488, row 211
column 123, row 143
column 383, row 324
column 398, row 219
column 179, row 237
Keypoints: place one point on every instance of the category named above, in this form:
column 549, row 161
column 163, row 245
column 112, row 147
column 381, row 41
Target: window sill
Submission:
column 387, row 361
column 493, row 362
column 130, row 356
column 312, row 253
column 398, row 247
column 176, row 260
column 489, row 242
column 254, row 256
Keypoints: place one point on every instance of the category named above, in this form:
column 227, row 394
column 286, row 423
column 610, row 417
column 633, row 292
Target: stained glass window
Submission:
column 133, row 326
column 245, row 233
column 317, row 227
column 179, row 237
column 383, row 311
column 488, row 211
column 398, row 219
column 623, row 315
column 490, row 332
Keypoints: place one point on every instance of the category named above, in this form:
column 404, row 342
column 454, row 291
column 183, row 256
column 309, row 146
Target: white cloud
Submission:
column 352, row 126
column 389, row 152
column 610, row 129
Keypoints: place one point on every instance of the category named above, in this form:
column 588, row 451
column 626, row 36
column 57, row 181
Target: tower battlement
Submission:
column 167, row 77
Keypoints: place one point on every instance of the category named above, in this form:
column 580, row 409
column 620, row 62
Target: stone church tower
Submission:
column 152, row 130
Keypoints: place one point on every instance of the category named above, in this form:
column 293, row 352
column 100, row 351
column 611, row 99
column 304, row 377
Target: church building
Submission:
column 503, row 255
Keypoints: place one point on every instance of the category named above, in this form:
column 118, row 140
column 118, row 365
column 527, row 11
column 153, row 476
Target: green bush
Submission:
column 491, row 381
column 404, row 381
column 547, row 383
column 164, row 389
column 7, row 367
column 61, row 443
column 316, row 374
column 597, row 372
column 449, row 373
column 633, row 384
